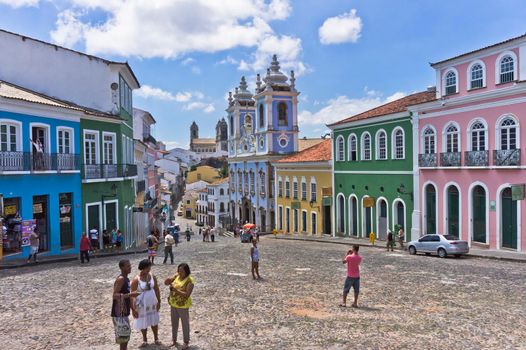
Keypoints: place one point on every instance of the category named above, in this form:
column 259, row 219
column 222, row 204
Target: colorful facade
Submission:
column 471, row 172
column 262, row 128
column 373, row 170
column 40, row 183
column 204, row 173
column 303, row 191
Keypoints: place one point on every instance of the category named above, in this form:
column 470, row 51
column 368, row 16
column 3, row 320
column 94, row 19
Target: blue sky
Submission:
column 349, row 55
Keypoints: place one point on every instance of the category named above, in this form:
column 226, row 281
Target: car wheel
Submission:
column 442, row 252
column 412, row 250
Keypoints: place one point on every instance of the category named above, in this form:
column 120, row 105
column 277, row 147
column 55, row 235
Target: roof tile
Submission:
column 317, row 153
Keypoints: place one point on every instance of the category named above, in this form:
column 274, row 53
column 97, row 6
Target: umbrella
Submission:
column 249, row 226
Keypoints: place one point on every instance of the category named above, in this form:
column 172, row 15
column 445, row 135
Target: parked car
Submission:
column 439, row 244
column 179, row 212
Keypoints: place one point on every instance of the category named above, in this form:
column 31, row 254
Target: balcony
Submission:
column 476, row 158
column 509, row 157
column 450, row 159
column 427, row 160
column 108, row 171
column 146, row 137
column 34, row 162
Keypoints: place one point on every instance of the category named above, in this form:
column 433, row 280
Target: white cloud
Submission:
column 19, row 3
column 196, row 70
column 205, row 107
column 188, row 61
column 172, row 144
column 147, row 91
column 343, row 107
column 341, row 29
column 69, row 29
column 228, row 60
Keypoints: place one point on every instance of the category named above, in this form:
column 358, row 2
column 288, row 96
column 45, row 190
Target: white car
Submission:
column 442, row 245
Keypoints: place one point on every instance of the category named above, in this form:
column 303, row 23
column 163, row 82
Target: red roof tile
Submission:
column 317, row 153
column 396, row 106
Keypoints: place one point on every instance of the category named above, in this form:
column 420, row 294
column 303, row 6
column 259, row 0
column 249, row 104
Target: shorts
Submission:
column 33, row 250
column 353, row 282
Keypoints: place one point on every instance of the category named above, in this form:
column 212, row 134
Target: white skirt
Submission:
column 146, row 304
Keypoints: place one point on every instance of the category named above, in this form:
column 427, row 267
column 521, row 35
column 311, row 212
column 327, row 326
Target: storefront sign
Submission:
column 295, row 205
column 368, row 202
column 327, row 201
column 26, row 230
column 517, row 192
column 37, row 208
column 10, row 210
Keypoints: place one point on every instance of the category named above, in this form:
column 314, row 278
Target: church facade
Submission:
column 209, row 147
column 262, row 128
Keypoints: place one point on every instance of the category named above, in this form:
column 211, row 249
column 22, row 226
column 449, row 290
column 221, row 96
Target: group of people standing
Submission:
column 141, row 297
column 111, row 240
column 209, row 234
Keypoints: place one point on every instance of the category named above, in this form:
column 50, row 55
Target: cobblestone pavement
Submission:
column 416, row 302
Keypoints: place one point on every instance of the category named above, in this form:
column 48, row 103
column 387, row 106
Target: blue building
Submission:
column 262, row 128
column 39, row 171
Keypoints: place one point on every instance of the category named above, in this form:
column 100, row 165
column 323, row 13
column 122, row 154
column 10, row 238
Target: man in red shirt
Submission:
column 85, row 247
column 353, row 260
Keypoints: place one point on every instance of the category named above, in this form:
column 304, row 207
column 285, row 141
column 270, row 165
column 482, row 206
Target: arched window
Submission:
column 450, row 83
column 231, row 126
column 221, row 207
column 398, row 144
column 287, row 187
column 366, row 146
column 261, row 116
column 381, row 145
column 294, row 188
column 507, row 69
column 313, row 189
column 262, row 180
column 429, row 141
column 221, row 192
column 478, row 136
column 283, row 114
column 476, row 76
column 353, row 148
column 508, row 134
column 340, row 153
column 452, row 145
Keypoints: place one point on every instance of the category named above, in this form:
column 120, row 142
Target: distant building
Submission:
column 210, row 147
column 204, row 172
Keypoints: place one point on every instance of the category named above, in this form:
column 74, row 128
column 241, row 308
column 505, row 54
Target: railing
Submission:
column 108, row 171
column 27, row 161
column 427, row 160
column 507, row 157
column 476, row 158
column 450, row 159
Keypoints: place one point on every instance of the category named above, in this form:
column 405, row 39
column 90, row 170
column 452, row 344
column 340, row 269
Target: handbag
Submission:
column 122, row 323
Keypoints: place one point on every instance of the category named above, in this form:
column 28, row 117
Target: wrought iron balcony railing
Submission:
column 27, row 161
column 427, row 160
column 450, row 159
column 476, row 158
column 108, row 171
column 508, row 157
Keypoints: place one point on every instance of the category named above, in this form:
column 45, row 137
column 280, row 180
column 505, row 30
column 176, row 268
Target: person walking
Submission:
column 94, row 237
column 353, row 260
column 169, row 242
column 390, row 240
column 212, row 234
column 254, row 258
column 85, row 247
column 180, row 300
column 34, row 242
column 401, row 238
column 120, row 240
column 120, row 309
column 372, row 238
column 153, row 243
column 145, row 307
column 187, row 234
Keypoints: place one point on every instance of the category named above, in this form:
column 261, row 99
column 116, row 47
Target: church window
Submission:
column 231, row 126
column 261, row 116
column 282, row 114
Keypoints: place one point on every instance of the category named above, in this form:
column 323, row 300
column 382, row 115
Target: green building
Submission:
column 108, row 165
column 373, row 169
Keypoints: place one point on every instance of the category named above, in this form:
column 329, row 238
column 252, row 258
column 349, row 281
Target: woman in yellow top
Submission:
column 180, row 300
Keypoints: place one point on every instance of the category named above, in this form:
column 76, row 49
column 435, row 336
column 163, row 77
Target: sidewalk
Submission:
column 15, row 263
column 473, row 252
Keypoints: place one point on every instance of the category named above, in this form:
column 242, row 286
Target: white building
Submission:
column 217, row 200
column 202, row 207
column 186, row 156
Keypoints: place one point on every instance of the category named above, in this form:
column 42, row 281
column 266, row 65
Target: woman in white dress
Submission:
column 145, row 307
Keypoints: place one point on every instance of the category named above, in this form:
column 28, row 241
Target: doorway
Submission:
column 508, row 219
column 382, row 219
column 66, row 220
column 431, row 206
column 453, row 211
column 354, row 216
column 41, row 216
column 111, row 215
column 327, row 225
column 478, row 210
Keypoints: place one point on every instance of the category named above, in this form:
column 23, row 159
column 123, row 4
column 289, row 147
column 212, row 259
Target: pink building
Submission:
column 469, row 145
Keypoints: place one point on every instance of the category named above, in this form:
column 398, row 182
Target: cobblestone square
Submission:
column 406, row 301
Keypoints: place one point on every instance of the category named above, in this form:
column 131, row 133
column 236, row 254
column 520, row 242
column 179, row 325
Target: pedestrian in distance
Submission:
column 106, row 238
column 113, row 239
column 254, row 258
column 212, row 234
column 390, row 240
column 145, row 307
column 94, row 237
column 153, row 243
column 120, row 309
column 187, row 234
column 85, row 247
column 353, row 260
column 200, row 231
column 180, row 301
column 34, row 242
column 372, row 238
column 169, row 242
column 120, row 240
column 401, row 238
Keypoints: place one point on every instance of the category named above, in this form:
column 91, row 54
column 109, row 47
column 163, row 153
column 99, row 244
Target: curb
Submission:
column 66, row 259
column 476, row 256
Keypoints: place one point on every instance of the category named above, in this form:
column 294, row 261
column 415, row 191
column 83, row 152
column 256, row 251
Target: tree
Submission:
column 223, row 172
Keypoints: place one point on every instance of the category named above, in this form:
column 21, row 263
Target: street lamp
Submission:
column 401, row 189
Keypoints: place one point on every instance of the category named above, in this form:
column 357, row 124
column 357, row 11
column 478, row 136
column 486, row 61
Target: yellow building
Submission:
column 189, row 204
column 303, row 182
column 204, row 172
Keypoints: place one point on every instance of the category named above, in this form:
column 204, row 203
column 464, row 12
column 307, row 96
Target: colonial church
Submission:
column 262, row 128
column 210, row 146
